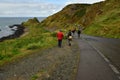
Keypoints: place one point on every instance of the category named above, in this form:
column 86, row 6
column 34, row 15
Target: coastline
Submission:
column 19, row 30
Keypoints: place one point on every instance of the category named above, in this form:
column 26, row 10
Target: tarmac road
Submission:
column 99, row 58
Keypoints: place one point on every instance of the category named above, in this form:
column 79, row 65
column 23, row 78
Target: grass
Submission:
column 106, row 25
column 99, row 19
column 80, row 13
column 37, row 39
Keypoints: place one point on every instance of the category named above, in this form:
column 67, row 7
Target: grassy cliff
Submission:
column 99, row 19
column 34, row 39
column 107, row 21
column 69, row 16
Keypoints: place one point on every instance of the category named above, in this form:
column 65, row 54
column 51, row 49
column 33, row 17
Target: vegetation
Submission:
column 106, row 23
column 37, row 38
column 67, row 18
column 99, row 19
column 80, row 13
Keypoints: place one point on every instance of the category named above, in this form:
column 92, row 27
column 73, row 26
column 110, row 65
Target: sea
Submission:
column 5, row 22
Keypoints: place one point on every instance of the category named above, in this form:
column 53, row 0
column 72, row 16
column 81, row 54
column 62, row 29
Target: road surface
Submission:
column 99, row 58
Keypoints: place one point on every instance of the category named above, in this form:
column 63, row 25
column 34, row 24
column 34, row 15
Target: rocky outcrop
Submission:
column 18, row 31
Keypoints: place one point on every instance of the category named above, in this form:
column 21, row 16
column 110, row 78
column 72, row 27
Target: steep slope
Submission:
column 68, row 16
column 99, row 19
column 107, row 21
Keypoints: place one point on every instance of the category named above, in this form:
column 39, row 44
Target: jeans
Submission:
column 59, row 43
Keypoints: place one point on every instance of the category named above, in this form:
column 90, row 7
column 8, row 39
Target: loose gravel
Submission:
column 50, row 64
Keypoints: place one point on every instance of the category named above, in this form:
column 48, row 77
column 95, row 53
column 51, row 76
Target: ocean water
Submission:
column 5, row 22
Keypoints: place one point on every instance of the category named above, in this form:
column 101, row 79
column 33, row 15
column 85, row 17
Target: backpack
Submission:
column 70, row 37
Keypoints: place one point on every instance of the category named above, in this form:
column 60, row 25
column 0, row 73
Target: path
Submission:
column 51, row 64
column 92, row 65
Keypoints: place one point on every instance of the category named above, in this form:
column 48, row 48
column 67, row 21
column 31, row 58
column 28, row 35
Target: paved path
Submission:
column 92, row 65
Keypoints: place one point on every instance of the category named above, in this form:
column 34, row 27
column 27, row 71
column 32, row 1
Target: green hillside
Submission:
column 99, row 19
column 69, row 16
column 106, row 23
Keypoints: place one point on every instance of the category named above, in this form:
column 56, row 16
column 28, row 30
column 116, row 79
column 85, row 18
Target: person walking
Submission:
column 69, row 37
column 60, row 37
column 79, row 32
column 73, row 31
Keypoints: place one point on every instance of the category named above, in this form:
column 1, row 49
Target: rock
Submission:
column 19, row 30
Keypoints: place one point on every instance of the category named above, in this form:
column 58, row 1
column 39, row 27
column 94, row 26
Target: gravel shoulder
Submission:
column 50, row 64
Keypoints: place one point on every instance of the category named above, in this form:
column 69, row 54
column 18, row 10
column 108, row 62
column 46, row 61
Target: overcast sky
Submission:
column 35, row 8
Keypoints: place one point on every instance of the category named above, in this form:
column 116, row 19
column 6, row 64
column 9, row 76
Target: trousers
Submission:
column 59, row 43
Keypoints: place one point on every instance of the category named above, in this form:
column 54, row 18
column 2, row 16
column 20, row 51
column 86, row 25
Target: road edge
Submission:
column 114, row 69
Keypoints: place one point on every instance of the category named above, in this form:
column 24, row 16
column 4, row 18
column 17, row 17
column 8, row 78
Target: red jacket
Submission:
column 59, row 35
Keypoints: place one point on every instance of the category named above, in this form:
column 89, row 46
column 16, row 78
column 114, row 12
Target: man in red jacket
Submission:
column 60, row 37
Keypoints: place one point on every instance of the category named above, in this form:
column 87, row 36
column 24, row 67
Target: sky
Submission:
column 35, row 8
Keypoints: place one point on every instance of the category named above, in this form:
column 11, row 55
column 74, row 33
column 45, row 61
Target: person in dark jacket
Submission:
column 60, row 37
column 79, row 32
column 69, row 37
column 73, row 31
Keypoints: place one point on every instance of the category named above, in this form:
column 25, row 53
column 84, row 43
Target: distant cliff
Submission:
column 99, row 19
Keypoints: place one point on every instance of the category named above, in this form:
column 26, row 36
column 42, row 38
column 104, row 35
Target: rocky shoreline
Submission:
column 18, row 31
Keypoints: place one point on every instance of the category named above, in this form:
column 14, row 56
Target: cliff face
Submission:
column 99, row 19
